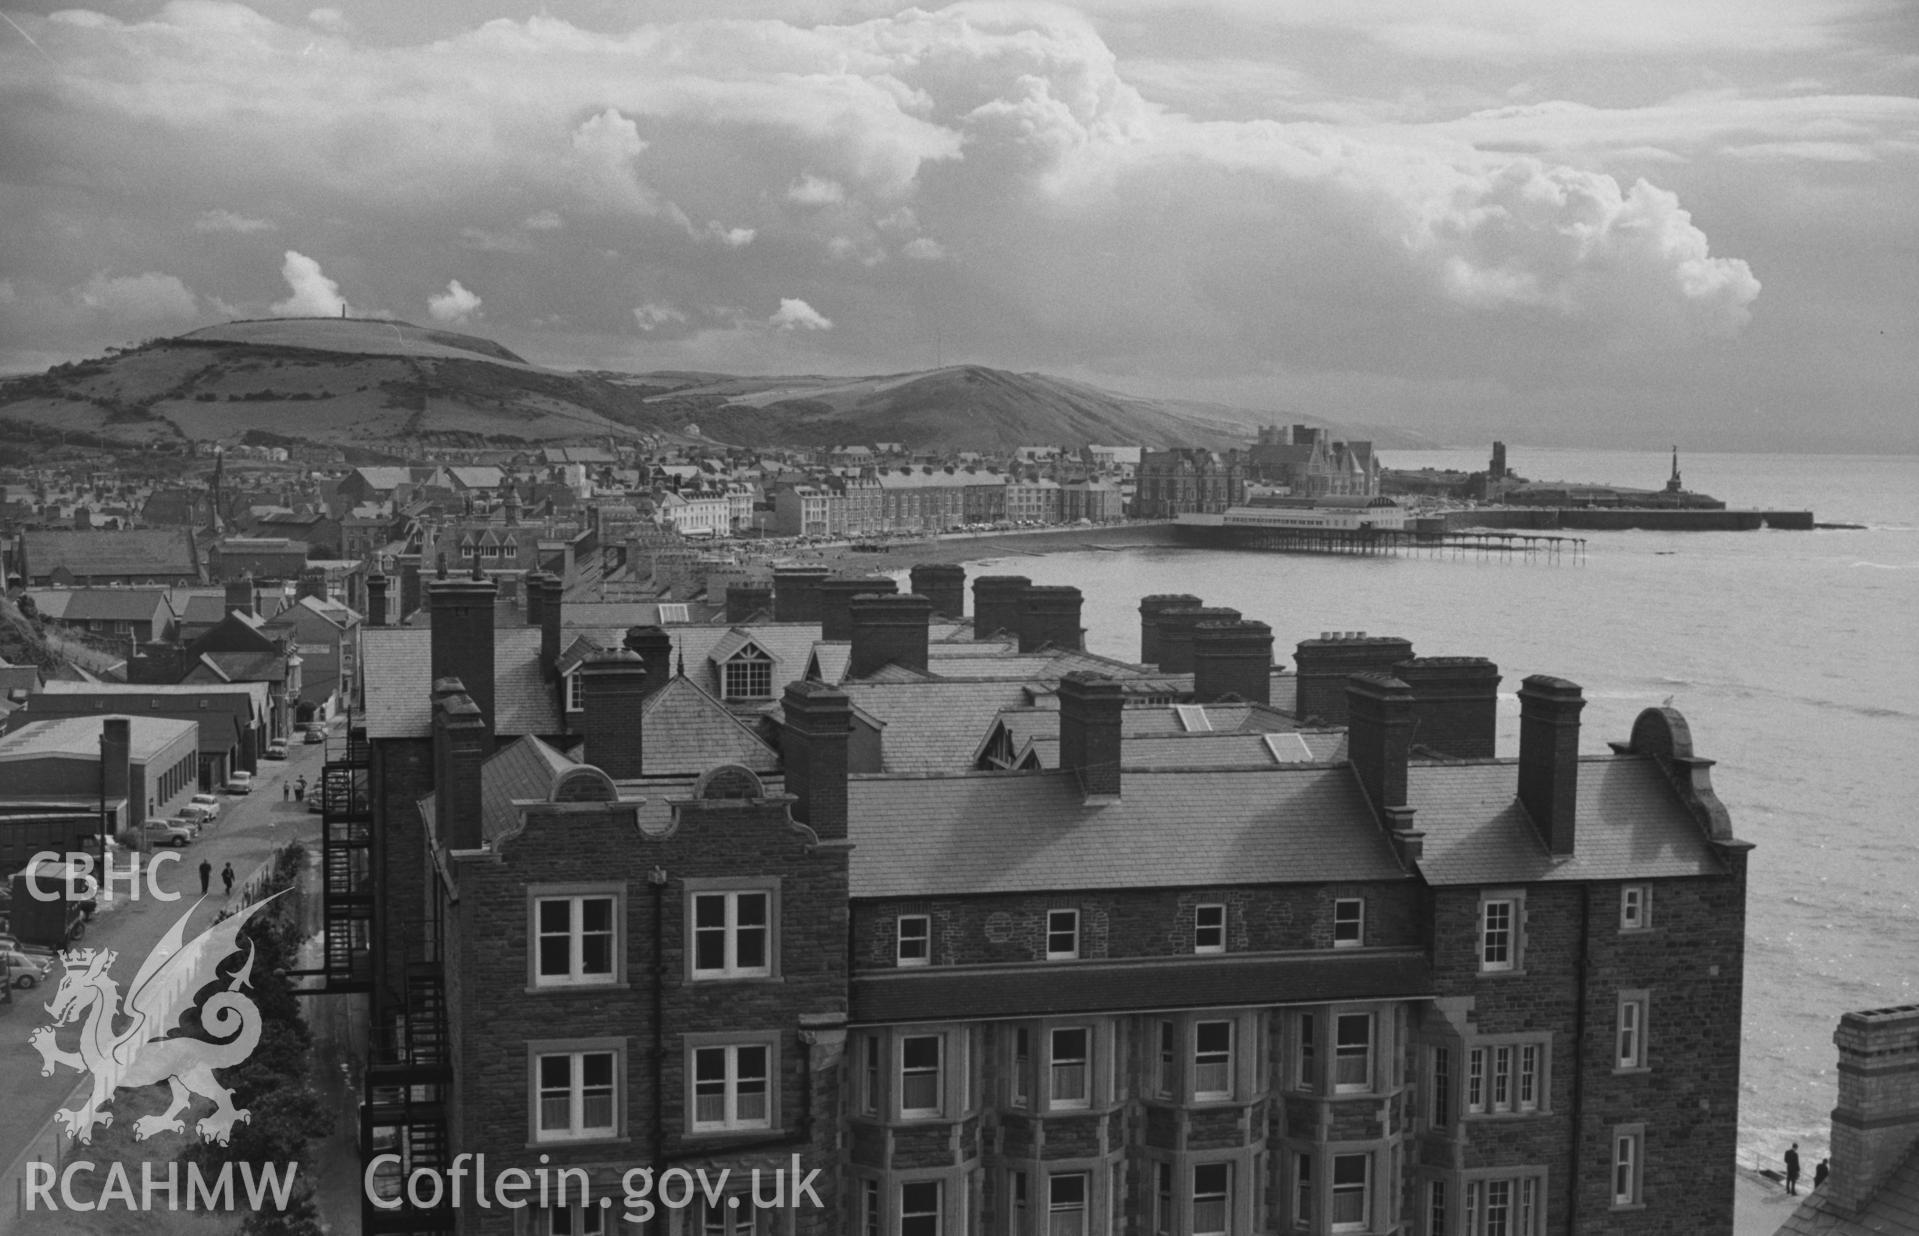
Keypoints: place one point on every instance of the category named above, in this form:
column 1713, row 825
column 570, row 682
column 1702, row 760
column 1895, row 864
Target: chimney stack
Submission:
column 116, row 773
column 745, row 600
column 546, row 593
column 654, row 647
column 240, row 595
column 410, row 595
column 461, row 744
column 1089, row 731
column 535, row 599
column 796, row 596
column 1324, row 664
column 376, row 600
column 1150, row 608
column 944, row 584
column 312, row 583
column 1455, row 703
column 996, row 604
column 1049, row 617
column 1549, row 757
column 1233, row 658
column 1176, row 628
column 1877, row 1120
column 889, row 628
column 612, row 695
column 813, row 749
column 462, row 638
column 836, row 601
column 1379, row 736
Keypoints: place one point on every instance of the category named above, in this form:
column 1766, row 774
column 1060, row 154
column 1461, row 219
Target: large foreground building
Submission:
column 1170, row 950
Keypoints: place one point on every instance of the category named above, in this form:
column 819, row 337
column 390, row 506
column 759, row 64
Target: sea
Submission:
column 1794, row 656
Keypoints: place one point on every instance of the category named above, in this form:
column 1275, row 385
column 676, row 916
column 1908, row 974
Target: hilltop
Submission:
column 394, row 386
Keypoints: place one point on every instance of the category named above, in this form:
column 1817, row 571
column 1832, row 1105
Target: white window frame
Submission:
column 938, row 1072
column 1508, row 1076
column 576, row 1219
column 539, row 898
column 1224, row 1194
column 904, row 952
column 937, row 1213
column 741, row 671
column 1349, row 922
column 1209, row 1058
column 575, row 692
column 1628, row 1183
column 1209, row 927
column 1019, row 1077
column 1366, row 1053
column 1337, row 1189
column 1058, row 1208
column 1053, row 930
column 576, row 1052
column 1630, row 1031
column 728, row 1049
column 1506, row 959
column 1055, row 1100
column 1306, row 1052
column 1635, row 907
column 732, row 931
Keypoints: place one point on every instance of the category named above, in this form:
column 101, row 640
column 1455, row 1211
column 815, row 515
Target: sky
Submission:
column 1586, row 222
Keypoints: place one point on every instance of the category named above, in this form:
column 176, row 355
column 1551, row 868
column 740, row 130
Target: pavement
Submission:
column 250, row 827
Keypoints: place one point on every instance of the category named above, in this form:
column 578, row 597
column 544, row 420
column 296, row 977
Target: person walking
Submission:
column 286, row 791
column 1792, row 1169
column 226, row 877
column 206, row 876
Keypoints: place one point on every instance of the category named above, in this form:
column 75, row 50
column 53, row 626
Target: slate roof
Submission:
column 143, row 553
column 238, row 667
column 1893, row 1208
column 1630, row 825
column 525, row 768
column 398, row 667
column 105, row 604
column 941, row 993
column 684, row 730
column 932, row 726
column 1201, row 750
column 832, row 657
column 1033, row 832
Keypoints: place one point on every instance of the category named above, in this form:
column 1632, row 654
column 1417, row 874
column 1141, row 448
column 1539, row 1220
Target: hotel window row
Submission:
column 913, row 944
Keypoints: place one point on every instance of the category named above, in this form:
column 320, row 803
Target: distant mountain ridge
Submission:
column 388, row 385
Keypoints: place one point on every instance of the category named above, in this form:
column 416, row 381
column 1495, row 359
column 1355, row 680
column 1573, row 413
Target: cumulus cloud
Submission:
column 811, row 190
column 544, row 221
column 313, row 294
column 796, row 314
column 923, row 249
column 151, row 297
column 454, row 307
column 730, row 237
column 228, row 221
column 651, row 317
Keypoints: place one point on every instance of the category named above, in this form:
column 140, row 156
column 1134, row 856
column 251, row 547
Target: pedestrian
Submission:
column 1819, row 1174
column 1792, row 1169
column 286, row 791
column 226, row 877
column 206, row 876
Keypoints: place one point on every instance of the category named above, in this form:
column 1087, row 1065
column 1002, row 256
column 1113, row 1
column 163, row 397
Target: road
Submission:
column 249, row 829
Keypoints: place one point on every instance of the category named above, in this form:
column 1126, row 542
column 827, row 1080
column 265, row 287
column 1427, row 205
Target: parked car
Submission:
column 242, row 782
column 24, row 970
column 166, row 832
column 211, row 802
column 276, row 751
column 315, row 733
column 198, row 814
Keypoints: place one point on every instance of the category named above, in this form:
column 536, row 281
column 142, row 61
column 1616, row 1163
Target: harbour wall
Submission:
column 1618, row 519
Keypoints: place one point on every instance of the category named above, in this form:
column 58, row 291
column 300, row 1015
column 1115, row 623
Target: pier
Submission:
column 1428, row 538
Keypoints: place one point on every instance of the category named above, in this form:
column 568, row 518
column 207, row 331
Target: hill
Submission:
column 392, row 386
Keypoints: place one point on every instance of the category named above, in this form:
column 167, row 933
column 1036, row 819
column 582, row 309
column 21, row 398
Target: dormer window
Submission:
column 748, row 674
column 575, row 698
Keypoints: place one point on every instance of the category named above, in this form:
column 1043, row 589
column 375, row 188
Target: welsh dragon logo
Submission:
column 140, row 1053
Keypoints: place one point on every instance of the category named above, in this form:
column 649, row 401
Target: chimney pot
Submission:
column 1324, row 664
column 813, row 745
column 462, row 640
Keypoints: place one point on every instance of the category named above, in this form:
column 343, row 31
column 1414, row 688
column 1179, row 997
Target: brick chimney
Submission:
column 461, row 744
column 240, row 595
column 1379, row 736
column 944, row 584
column 889, row 628
column 535, row 599
column 1324, row 664
column 836, row 601
column 376, row 600
column 463, row 638
column 312, row 583
column 1089, row 731
column 545, row 594
column 1233, row 658
column 654, row 647
column 745, row 600
column 813, row 748
column 1150, row 608
column 116, row 772
column 1455, row 702
column 612, row 694
column 1049, row 617
column 796, row 595
column 996, row 604
column 1877, row 1120
column 1549, row 757
column 1176, row 627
